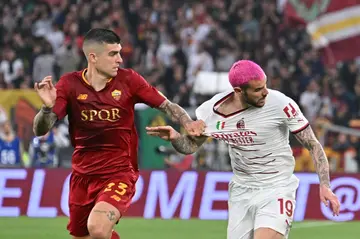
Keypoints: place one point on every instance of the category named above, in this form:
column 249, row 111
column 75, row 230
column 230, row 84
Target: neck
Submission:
column 238, row 100
column 95, row 78
column 8, row 136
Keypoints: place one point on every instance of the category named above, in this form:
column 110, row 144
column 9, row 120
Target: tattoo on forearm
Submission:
column 308, row 139
column 175, row 112
column 110, row 214
column 43, row 122
column 188, row 144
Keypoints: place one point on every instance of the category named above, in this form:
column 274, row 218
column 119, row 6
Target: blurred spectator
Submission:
column 12, row 68
column 67, row 58
column 166, row 49
column 225, row 59
column 55, row 37
column 42, row 26
column 44, row 64
column 310, row 101
column 355, row 146
column 342, row 143
column 42, row 151
column 201, row 60
column 11, row 149
column 3, row 118
column 357, row 98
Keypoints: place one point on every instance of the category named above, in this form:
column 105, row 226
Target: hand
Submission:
column 327, row 195
column 195, row 128
column 164, row 132
column 47, row 91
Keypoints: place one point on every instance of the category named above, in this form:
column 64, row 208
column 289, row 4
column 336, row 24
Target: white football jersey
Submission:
column 258, row 138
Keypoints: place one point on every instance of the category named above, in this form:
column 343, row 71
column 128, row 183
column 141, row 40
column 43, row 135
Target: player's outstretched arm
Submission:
column 184, row 144
column 187, row 144
column 178, row 115
column 45, row 118
column 44, row 121
column 308, row 139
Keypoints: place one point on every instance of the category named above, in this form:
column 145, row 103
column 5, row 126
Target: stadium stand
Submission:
column 171, row 42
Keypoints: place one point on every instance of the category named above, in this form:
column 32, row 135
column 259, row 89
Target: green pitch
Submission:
column 135, row 228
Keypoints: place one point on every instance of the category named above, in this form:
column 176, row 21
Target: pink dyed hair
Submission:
column 244, row 71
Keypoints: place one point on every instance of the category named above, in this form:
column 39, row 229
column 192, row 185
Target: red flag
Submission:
column 334, row 26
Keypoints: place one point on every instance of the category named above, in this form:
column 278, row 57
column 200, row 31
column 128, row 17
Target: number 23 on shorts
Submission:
column 120, row 190
column 286, row 206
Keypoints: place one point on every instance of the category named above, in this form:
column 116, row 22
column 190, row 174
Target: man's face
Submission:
column 6, row 127
column 10, row 55
column 108, row 59
column 256, row 92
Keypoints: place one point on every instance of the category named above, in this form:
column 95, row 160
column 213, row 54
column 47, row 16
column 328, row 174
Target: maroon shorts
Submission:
column 85, row 192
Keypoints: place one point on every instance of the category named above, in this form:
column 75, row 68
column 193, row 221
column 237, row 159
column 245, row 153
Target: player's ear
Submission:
column 92, row 57
column 237, row 90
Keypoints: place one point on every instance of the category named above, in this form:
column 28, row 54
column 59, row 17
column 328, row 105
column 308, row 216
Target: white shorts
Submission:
column 253, row 208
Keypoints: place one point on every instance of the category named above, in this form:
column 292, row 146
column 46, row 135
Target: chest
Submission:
column 113, row 104
column 249, row 123
column 9, row 144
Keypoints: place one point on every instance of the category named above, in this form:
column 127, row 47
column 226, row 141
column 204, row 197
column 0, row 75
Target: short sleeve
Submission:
column 203, row 111
column 291, row 113
column 199, row 112
column 144, row 92
column 61, row 102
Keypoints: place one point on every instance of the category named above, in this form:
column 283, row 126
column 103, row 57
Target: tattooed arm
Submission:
column 184, row 144
column 187, row 144
column 44, row 121
column 308, row 139
column 179, row 115
column 175, row 112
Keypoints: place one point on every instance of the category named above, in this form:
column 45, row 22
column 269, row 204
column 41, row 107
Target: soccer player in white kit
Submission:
column 255, row 122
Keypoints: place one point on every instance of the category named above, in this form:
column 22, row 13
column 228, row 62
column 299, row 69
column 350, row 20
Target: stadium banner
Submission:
column 167, row 194
column 149, row 153
column 21, row 106
column 334, row 26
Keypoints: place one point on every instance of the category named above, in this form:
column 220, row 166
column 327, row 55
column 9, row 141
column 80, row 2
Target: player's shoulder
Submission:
column 71, row 76
column 129, row 77
column 74, row 74
column 215, row 99
column 126, row 73
column 275, row 94
column 206, row 108
column 277, row 98
column 220, row 96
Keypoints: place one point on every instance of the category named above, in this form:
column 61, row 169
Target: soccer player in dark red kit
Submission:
column 99, row 102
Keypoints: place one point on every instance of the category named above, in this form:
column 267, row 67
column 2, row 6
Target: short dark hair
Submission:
column 245, row 86
column 102, row 35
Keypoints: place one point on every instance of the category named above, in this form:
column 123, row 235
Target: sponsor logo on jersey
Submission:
column 220, row 125
column 241, row 138
column 111, row 115
column 116, row 94
column 82, row 97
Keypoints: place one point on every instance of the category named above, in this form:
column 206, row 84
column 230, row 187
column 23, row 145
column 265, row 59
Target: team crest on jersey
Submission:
column 240, row 124
column 116, row 94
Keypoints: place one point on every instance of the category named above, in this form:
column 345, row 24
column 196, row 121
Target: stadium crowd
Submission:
column 169, row 42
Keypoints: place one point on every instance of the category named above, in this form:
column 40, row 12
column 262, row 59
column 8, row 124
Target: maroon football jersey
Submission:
column 101, row 123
